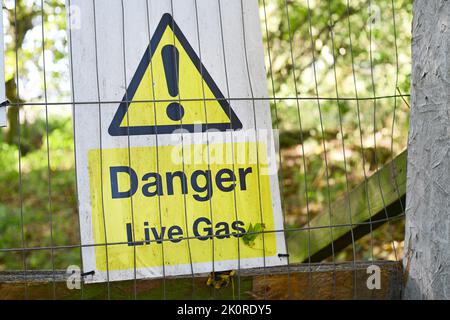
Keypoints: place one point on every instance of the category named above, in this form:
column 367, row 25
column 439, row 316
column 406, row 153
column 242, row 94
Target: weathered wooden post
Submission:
column 427, row 245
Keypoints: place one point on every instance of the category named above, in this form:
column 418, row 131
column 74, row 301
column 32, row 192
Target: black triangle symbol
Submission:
column 115, row 128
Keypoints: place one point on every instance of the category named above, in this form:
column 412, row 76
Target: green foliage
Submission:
column 8, row 162
column 363, row 56
column 41, row 198
column 252, row 233
column 26, row 39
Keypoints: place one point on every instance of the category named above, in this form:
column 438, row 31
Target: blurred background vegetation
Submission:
column 367, row 55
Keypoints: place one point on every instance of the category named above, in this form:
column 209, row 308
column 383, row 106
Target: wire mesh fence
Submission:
column 337, row 79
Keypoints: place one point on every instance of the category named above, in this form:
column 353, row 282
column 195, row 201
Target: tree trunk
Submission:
column 427, row 256
column 13, row 112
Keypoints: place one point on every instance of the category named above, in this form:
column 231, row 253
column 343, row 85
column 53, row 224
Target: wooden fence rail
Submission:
column 299, row 281
column 368, row 206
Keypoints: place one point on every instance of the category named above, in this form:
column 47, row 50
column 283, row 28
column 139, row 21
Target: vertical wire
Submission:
column 302, row 142
column 374, row 116
column 48, row 152
column 182, row 157
column 374, row 125
column 280, row 179
column 19, row 149
column 395, row 109
column 72, row 88
column 207, row 136
column 313, row 48
column 108, row 289
column 256, row 143
column 156, row 143
column 232, row 147
column 129, row 145
column 360, row 131
column 343, row 145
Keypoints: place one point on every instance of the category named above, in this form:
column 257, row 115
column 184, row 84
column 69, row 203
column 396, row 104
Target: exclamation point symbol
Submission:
column 171, row 58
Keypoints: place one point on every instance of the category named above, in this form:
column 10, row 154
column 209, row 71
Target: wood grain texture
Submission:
column 299, row 281
column 427, row 235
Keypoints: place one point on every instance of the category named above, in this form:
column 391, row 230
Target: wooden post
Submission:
column 427, row 256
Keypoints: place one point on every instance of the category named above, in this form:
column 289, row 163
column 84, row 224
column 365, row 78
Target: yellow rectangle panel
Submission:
column 193, row 203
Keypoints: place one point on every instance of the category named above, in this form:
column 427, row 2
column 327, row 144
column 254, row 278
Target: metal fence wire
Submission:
column 337, row 80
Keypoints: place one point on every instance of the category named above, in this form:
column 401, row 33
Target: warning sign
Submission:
column 173, row 203
column 174, row 176
column 168, row 62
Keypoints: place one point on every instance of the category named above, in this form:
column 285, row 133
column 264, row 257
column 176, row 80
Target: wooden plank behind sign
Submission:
column 385, row 191
column 299, row 281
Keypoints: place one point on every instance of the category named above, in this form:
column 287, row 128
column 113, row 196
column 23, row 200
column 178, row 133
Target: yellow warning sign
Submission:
column 172, row 90
column 172, row 213
column 178, row 204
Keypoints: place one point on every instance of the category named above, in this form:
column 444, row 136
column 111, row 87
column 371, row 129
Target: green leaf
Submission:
column 252, row 233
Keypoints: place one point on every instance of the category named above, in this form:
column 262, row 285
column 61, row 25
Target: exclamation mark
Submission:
column 171, row 58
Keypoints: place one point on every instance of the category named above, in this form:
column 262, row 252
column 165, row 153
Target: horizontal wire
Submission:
column 209, row 99
column 287, row 230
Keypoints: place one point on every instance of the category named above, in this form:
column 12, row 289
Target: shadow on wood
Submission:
column 300, row 281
